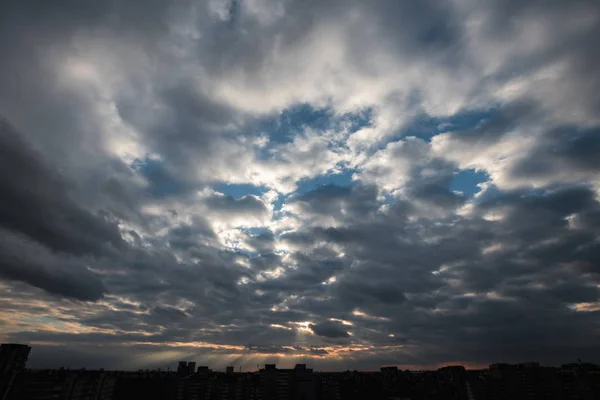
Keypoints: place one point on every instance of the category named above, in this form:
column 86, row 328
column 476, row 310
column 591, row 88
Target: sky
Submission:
column 347, row 184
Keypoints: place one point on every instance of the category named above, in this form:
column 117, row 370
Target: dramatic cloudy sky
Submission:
column 344, row 183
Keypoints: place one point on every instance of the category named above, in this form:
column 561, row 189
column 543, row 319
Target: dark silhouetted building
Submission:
column 93, row 385
column 13, row 359
column 203, row 369
column 299, row 383
column 185, row 368
column 530, row 381
column 145, row 385
column 64, row 385
column 42, row 385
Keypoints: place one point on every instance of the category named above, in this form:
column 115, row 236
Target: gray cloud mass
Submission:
column 337, row 183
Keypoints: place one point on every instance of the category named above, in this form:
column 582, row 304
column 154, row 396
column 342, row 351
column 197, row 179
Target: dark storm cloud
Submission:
column 24, row 260
column 262, row 243
column 187, row 236
column 298, row 238
column 529, row 273
column 169, row 313
column 39, row 217
column 565, row 150
column 404, row 26
column 576, row 47
column 329, row 330
column 185, row 129
column 559, row 201
column 64, row 18
column 405, row 265
column 437, row 193
column 339, row 202
column 36, row 203
column 539, row 253
column 182, row 122
column 161, row 182
column 39, row 34
column 500, row 122
column 227, row 204
column 364, row 294
column 314, row 268
column 188, row 103
column 560, row 153
column 433, row 189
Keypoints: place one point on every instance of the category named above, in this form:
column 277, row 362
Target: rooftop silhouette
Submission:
column 529, row 381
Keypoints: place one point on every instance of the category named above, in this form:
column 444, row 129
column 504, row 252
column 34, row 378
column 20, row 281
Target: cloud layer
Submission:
column 342, row 183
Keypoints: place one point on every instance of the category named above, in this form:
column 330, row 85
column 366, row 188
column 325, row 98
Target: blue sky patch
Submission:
column 239, row 190
column 257, row 231
column 277, row 204
column 425, row 126
column 284, row 127
column 466, row 181
column 359, row 119
column 292, row 121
